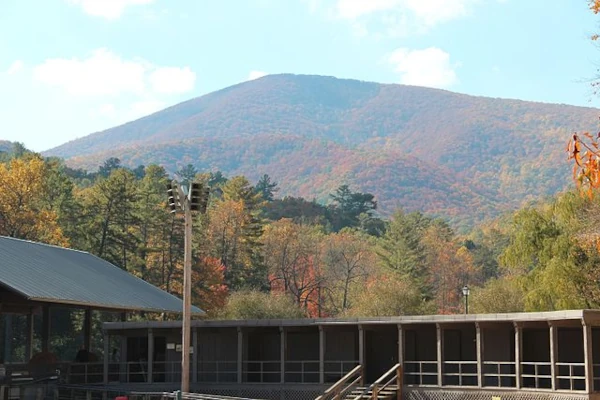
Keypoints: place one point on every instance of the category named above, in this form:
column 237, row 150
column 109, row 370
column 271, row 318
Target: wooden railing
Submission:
column 500, row 374
column 339, row 389
column 394, row 375
column 421, row 373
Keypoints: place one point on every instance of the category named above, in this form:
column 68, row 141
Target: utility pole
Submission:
column 193, row 199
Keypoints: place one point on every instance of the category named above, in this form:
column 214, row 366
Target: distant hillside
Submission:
column 418, row 148
column 6, row 146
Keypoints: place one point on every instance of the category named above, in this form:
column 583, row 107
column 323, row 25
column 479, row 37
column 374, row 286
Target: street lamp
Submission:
column 187, row 200
column 465, row 292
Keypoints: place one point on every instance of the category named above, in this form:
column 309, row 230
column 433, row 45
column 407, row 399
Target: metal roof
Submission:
column 51, row 274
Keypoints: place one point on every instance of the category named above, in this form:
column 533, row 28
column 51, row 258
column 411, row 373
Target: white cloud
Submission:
column 106, row 74
column 172, row 80
column 394, row 17
column 429, row 12
column 103, row 73
column 110, row 9
column 428, row 67
column 145, row 107
column 105, row 111
column 256, row 74
column 15, row 67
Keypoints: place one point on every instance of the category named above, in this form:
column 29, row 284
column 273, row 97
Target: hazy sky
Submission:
column 69, row 68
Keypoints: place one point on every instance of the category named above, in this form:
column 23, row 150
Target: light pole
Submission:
column 187, row 200
column 465, row 292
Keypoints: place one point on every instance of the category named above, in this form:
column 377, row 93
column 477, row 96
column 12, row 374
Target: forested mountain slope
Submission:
column 456, row 155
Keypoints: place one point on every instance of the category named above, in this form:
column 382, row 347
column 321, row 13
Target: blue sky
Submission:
column 69, row 68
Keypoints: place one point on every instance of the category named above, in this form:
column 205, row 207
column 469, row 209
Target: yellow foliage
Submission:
column 22, row 214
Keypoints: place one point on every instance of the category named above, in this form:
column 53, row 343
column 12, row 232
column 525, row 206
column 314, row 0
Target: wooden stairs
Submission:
column 351, row 386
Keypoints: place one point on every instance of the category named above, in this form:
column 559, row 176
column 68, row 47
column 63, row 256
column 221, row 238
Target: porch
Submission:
column 555, row 352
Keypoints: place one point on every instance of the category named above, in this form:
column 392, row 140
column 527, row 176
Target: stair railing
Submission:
column 384, row 381
column 339, row 389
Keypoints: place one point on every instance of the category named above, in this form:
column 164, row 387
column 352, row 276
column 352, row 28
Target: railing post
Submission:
column 375, row 392
column 399, row 381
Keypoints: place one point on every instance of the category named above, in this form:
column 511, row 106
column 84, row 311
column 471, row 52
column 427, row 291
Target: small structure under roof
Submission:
column 35, row 276
column 36, row 272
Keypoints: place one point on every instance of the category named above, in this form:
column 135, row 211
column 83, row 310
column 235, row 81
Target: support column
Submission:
column 440, row 353
column 361, row 345
column 240, row 353
column 321, row 354
column 87, row 330
column 553, row 353
column 480, row 353
column 588, row 358
column 29, row 339
column 195, row 355
column 106, row 358
column 123, row 365
column 282, row 348
column 8, row 334
column 400, row 346
column 150, row 356
column 45, row 328
column 518, row 352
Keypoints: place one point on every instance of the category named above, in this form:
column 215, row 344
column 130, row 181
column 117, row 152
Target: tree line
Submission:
column 257, row 255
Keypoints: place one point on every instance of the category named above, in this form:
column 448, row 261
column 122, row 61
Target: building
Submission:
column 36, row 278
column 547, row 355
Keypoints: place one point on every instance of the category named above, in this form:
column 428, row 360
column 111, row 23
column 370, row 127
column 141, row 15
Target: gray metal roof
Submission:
column 52, row 274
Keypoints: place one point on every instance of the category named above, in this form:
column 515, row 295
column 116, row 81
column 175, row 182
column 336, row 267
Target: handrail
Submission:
column 336, row 387
column 397, row 369
column 375, row 388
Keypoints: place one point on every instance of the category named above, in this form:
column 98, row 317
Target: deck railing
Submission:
column 420, row 373
column 217, row 371
column 536, row 375
column 261, row 371
column 459, row 373
column 268, row 371
column 570, row 376
column 302, row 371
column 501, row 374
column 334, row 370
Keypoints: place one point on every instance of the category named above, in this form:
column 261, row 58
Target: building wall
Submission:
column 460, row 343
column 341, row 344
column 536, row 344
column 499, row 342
column 570, row 345
column 420, row 343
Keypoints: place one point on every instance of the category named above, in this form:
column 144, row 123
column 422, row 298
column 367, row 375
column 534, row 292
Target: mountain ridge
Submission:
column 498, row 152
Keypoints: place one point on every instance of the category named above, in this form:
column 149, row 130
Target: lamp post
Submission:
column 187, row 200
column 465, row 292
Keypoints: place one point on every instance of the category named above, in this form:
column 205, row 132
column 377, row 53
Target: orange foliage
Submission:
column 209, row 289
column 586, row 158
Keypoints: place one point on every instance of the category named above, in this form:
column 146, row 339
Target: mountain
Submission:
column 6, row 146
column 441, row 152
